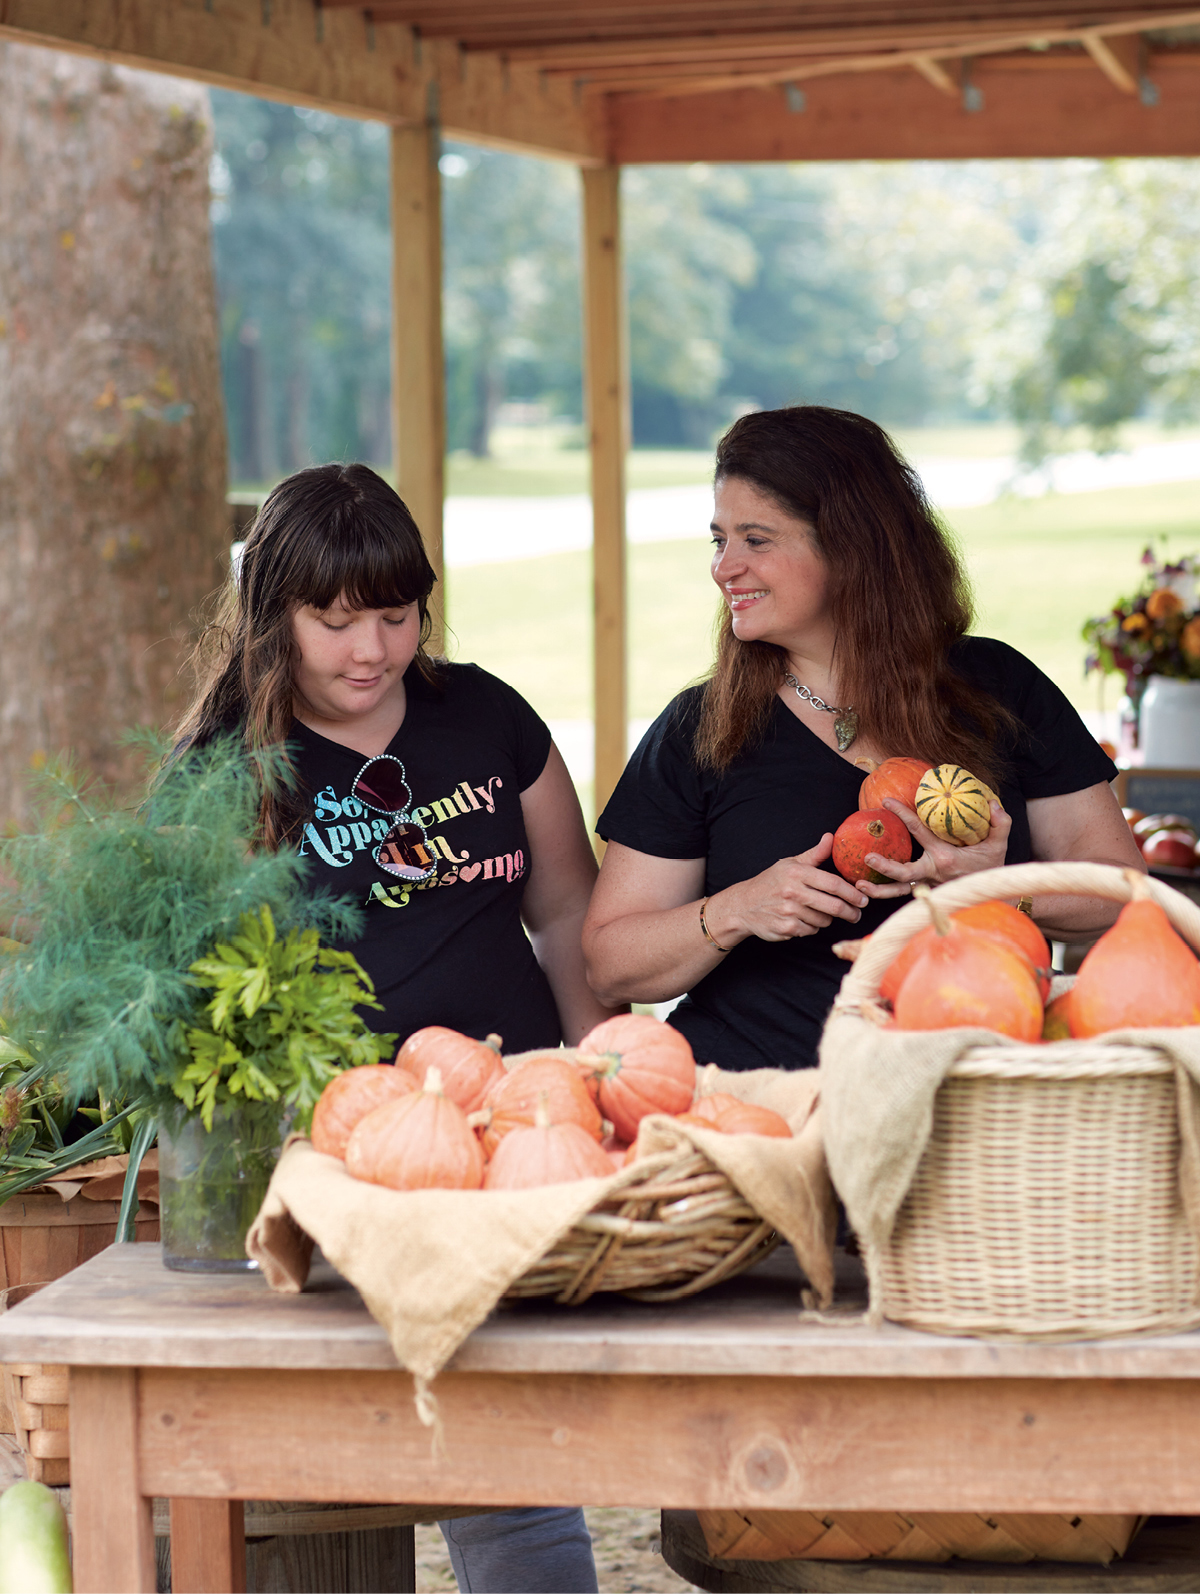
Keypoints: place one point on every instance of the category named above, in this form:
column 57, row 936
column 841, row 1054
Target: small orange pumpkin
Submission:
column 733, row 1117
column 349, row 1097
column 897, row 778
column 1141, row 974
column 469, row 1068
column 643, row 1066
column 512, row 1101
column 964, row 978
column 545, row 1152
column 616, row 1149
column 419, row 1142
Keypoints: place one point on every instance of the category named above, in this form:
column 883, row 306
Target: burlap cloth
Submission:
column 878, row 1086
column 431, row 1264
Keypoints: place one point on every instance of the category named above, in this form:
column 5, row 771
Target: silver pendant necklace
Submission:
column 845, row 727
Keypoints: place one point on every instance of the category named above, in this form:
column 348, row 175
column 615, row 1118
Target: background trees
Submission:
column 1062, row 294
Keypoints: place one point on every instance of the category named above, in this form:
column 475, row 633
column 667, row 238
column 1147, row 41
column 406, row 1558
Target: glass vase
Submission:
column 212, row 1183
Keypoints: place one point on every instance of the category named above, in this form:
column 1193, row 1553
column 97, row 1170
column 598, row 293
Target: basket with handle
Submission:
column 1051, row 1197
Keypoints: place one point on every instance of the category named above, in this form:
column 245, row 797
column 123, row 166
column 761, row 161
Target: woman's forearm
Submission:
column 653, row 956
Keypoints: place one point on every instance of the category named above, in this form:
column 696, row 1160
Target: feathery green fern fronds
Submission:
column 115, row 906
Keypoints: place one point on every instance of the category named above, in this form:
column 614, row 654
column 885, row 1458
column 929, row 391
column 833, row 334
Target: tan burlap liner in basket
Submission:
column 431, row 1264
column 1047, row 1190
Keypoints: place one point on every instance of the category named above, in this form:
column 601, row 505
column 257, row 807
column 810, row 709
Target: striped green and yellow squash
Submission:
column 955, row 804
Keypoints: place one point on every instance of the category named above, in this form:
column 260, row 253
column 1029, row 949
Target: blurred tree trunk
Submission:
column 113, row 523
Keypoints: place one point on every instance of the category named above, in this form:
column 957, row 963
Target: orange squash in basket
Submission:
column 643, row 1066
column 512, row 1101
column 964, row 978
column 1007, row 925
column 733, row 1117
column 349, row 1097
column 419, row 1142
column 545, row 1152
column 1139, row 975
column 469, row 1068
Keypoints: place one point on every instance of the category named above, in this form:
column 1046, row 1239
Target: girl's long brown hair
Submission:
column 897, row 594
column 328, row 531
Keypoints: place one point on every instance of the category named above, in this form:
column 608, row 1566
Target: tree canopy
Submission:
column 1062, row 294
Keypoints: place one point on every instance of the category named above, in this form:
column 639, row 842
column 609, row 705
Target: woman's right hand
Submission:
column 794, row 897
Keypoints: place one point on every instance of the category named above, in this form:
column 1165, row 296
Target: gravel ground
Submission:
column 627, row 1556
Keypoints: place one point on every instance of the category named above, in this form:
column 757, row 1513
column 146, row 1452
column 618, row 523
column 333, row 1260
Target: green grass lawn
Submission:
column 1040, row 567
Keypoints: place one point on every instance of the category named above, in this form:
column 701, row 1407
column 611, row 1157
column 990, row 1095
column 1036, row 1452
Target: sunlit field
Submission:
column 1040, row 567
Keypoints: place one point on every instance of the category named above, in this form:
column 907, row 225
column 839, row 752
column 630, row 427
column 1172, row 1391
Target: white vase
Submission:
column 1169, row 728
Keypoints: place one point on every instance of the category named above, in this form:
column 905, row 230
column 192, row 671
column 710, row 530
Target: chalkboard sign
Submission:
column 1161, row 791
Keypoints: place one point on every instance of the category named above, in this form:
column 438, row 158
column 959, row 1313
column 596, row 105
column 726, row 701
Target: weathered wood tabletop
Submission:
column 212, row 1390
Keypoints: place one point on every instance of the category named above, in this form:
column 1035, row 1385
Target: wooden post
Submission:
column 208, row 1546
column 607, row 390
column 113, row 1521
column 418, row 382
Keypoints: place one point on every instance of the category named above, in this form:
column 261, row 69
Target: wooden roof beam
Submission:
column 325, row 57
column 1031, row 110
column 887, row 61
column 1119, row 58
column 933, row 73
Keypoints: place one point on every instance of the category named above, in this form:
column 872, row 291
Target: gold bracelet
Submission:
column 708, row 935
column 1025, row 905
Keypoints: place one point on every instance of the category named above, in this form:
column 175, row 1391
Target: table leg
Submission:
column 208, row 1546
column 112, row 1520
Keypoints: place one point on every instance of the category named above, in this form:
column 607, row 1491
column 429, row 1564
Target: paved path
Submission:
column 488, row 530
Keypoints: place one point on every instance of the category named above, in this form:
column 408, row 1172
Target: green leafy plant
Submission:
column 282, row 1021
column 113, row 907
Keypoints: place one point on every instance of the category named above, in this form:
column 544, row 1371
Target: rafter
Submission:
column 884, row 62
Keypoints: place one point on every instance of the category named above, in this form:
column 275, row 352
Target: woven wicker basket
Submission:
column 676, row 1226
column 1047, row 1202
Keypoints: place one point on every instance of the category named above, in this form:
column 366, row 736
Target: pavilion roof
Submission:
column 601, row 81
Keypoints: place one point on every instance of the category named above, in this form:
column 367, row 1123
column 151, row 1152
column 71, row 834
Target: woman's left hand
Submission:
column 939, row 861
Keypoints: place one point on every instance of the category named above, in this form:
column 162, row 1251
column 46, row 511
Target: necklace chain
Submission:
column 803, row 693
column 845, row 726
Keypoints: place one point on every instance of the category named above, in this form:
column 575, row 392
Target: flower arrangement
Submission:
column 1156, row 632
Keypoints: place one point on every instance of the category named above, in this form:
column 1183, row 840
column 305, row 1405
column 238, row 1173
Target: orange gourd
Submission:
column 1139, row 975
column 733, row 1117
column 1001, row 921
column 349, row 1097
column 469, row 1068
column 643, row 1066
column 616, row 1150
column 964, row 978
column 419, row 1142
column 546, row 1152
column 897, row 778
column 512, row 1101
column 1009, row 924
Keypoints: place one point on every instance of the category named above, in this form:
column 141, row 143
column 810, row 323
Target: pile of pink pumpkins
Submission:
column 1165, row 840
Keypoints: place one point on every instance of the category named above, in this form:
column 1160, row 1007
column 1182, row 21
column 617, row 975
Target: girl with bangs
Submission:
column 842, row 634
column 430, row 793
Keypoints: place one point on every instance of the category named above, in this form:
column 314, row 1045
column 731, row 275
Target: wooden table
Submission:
column 213, row 1390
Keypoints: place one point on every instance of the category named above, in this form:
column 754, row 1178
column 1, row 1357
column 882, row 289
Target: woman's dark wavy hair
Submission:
column 897, row 594
column 327, row 531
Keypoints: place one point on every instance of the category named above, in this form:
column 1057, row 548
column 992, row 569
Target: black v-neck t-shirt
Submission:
column 452, row 951
column 765, row 1003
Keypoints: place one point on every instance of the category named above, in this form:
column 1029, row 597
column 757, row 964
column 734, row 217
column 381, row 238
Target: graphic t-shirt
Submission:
column 765, row 1004
column 451, row 950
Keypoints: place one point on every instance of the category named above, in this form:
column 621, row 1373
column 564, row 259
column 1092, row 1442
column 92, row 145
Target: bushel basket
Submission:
column 1051, row 1197
column 677, row 1226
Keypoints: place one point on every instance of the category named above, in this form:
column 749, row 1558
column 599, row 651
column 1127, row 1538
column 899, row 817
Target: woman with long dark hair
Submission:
column 842, row 635
column 431, row 794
